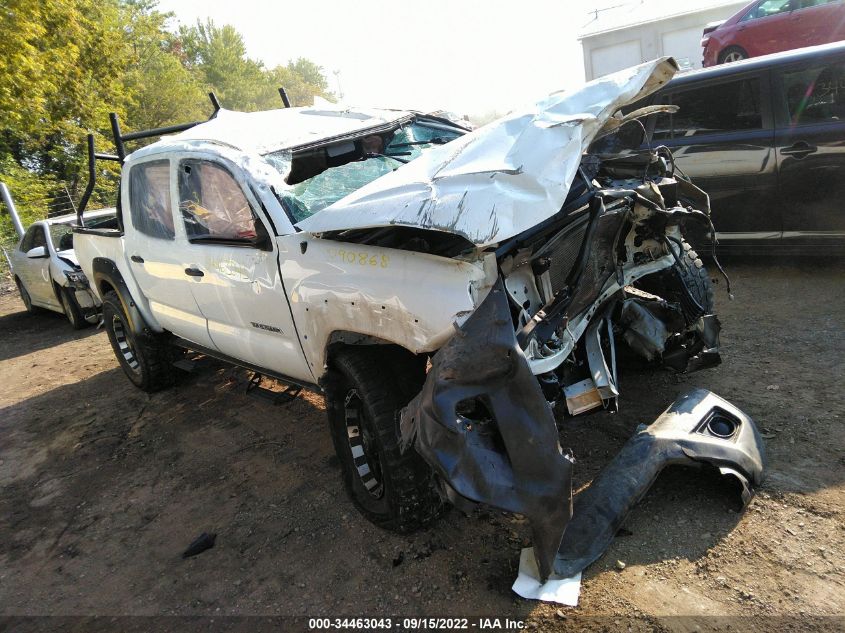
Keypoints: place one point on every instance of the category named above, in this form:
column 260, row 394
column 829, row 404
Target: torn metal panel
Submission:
column 603, row 374
column 698, row 428
column 503, row 178
column 483, row 425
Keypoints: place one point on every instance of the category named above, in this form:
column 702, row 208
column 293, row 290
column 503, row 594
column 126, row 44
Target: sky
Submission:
column 469, row 57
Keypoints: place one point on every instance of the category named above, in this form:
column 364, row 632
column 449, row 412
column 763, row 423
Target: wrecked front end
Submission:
column 484, row 420
column 592, row 269
column 609, row 279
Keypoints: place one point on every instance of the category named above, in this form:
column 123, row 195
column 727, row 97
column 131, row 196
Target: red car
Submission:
column 772, row 26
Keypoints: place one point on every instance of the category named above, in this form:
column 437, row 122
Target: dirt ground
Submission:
column 103, row 487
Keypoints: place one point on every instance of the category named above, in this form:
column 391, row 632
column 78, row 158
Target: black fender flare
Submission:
column 107, row 273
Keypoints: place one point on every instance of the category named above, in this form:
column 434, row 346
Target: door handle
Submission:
column 799, row 149
column 194, row 272
column 137, row 259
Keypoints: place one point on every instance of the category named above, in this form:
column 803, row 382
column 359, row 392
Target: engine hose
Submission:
column 713, row 243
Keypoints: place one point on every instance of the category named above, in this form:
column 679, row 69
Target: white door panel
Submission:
column 153, row 240
column 237, row 284
column 242, row 298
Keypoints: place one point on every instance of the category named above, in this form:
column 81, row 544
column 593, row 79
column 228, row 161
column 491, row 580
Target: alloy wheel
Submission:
column 362, row 445
column 125, row 344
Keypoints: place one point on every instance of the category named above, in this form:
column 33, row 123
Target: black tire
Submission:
column 366, row 388
column 72, row 310
column 145, row 361
column 25, row 298
column 732, row 54
column 686, row 283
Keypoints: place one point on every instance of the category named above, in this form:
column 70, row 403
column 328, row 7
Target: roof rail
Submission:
column 119, row 144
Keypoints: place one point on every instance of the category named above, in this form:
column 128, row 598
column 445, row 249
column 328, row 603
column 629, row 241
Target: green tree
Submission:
column 217, row 55
column 67, row 63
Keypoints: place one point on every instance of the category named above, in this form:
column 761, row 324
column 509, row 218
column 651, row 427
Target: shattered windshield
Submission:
column 325, row 176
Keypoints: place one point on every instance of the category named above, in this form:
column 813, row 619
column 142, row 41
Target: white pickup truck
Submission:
column 443, row 288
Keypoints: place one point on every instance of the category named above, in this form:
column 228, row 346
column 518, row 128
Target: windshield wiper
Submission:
column 393, row 156
column 437, row 140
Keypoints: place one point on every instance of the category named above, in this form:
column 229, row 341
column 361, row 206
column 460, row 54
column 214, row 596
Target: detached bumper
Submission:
column 699, row 428
column 482, row 423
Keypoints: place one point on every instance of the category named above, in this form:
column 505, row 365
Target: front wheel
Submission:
column 72, row 310
column 732, row 54
column 145, row 361
column 365, row 390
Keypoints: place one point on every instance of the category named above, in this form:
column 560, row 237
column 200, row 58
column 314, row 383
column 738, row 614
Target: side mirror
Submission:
column 37, row 253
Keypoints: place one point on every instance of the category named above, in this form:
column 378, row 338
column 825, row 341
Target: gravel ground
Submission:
column 102, row 487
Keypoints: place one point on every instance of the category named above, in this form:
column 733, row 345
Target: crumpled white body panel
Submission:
column 503, row 178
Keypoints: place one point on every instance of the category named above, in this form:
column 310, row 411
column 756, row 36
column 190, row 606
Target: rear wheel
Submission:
column 145, row 361
column 72, row 310
column 732, row 54
column 366, row 389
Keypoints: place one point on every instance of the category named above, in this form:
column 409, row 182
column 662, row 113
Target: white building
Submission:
column 630, row 32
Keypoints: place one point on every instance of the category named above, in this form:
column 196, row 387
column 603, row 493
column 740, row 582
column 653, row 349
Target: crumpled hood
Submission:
column 503, row 178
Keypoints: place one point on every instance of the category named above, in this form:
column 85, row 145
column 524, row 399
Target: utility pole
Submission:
column 336, row 74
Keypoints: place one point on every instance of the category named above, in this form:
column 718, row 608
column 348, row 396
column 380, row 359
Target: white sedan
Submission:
column 47, row 273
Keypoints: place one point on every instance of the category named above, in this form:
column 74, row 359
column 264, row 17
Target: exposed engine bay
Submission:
column 616, row 268
column 611, row 272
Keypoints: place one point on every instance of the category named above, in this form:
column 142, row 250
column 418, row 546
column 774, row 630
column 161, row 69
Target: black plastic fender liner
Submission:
column 699, row 427
column 512, row 461
column 105, row 270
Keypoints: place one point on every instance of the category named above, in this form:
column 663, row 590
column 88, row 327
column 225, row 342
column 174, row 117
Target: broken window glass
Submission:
column 212, row 203
column 313, row 194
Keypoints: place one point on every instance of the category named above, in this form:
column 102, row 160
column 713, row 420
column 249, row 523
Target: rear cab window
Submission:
column 149, row 199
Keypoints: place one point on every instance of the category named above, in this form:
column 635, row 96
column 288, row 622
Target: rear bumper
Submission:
column 709, row 54
column 483, row 425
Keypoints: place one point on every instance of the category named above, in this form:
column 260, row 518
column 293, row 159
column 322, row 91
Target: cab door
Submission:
column 151, row 248
column 236, row 278
column 810, row 139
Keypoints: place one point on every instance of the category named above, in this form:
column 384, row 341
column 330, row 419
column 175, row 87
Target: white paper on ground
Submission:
column 528, row 585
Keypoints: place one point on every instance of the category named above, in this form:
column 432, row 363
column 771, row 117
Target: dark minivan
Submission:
column 765, row 138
